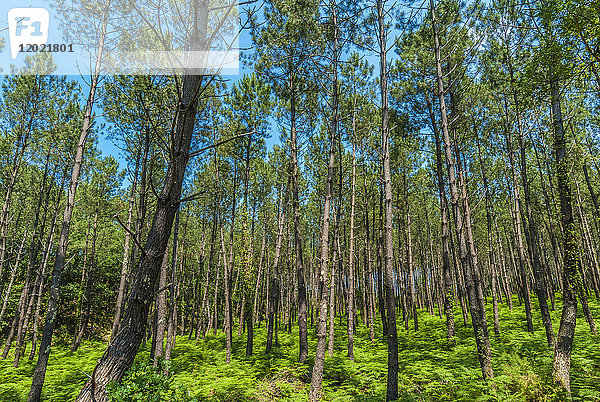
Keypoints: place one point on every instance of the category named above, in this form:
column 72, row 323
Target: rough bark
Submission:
column 119, row 355
column 392, row 332
column 570, row 277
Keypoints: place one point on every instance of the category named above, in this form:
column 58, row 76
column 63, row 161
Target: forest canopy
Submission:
column 392, row 201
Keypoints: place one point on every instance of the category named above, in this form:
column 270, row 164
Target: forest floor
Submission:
column 428, row 368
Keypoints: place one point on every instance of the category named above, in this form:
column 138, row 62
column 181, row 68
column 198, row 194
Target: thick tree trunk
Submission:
column 392, row 332
column 570, row 277
column 119, row 355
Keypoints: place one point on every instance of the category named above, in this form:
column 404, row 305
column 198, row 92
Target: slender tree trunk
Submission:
column 255, row 308
column 161, row 312
column 86, row 287
column 39, row 373
column 274, row 285
column 48, row 247
column 172, row 310
column 226, row 276
column 204, row 320
column 27, row 298
column 331, row 290
column 540, row 284
column 126, row 256
column 351, row 281
column 489, row 219
column 369, row 264
column 409, row 261
column 22, row 142
column 302, row 306
column 141, row 213
column 446, row 271
column 519, row 237
column 477, row 315
column 380, row 268
column 16, row 325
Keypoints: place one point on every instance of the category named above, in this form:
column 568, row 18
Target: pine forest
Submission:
column 390, row 201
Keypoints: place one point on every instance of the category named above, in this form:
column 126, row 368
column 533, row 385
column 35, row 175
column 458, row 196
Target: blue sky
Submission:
column 68, row 61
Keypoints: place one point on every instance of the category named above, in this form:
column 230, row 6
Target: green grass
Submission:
column 429, row 368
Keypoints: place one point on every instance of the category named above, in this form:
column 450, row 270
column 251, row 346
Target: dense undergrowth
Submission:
column 429, row 368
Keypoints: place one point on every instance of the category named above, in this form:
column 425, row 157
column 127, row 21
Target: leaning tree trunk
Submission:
column 39, row 373
column 119, row 355
column 29, row 287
